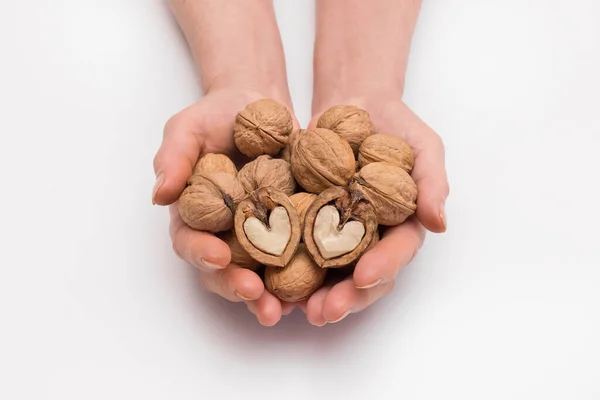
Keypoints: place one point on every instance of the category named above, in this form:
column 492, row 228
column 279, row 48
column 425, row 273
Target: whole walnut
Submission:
column 299, row 279
column 322, row 159
column 262, row 127
column 266, row 171
column 390, row 189
column 388, row 148
column 239, row 255
column 213, row 162
column 302, row 201
column 209, row 200
column 353, row 124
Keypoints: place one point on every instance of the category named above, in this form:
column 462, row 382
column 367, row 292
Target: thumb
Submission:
column 176, row 158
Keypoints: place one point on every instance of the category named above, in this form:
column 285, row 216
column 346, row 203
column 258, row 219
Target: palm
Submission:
column 374, row 274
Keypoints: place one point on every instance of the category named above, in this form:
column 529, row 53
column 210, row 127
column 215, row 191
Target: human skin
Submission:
column 354, row 63
column 238, row 56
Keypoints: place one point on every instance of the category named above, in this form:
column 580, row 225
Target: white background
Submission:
column 94, row 305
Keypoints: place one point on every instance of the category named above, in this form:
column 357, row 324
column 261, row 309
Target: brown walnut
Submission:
column 262, row 127
column 267, row 226
column 298, row 280
column 353, row 124
column 266, row 171
column 388, row 148
column 301, row 202
column 390, row 189
column 339, row 226
column 321, row 159
column 209, row 200
column 239, row 255
column 286, row 153
column 213, row 162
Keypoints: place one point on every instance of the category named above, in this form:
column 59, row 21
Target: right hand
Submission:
column 207, row 127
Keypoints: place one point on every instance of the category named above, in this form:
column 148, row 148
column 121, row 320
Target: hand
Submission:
column 375, row 272
column 207, row 127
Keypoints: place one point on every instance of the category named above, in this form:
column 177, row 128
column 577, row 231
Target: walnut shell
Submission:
column 286, row 153
column 239, row 255
column 352, row 208
column 350, row 122
column 301, row 202
column 208, row 202
column 298, row 280
column 266, row 171
column 213, row 162
column 321, row 159
column 390, row 189
column 262, row 127
column 274, row 222
column 388, row 148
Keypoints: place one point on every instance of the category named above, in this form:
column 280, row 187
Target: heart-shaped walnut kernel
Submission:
column 274, row 239
column 339, row 226
column 267, row 226
column 330, row 239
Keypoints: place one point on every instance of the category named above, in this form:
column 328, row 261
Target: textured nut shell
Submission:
column 239, row 255
column 302, row 201
column 269, row 198
column 213, row 162
column 363, row 212
column 390, row 189
column 321, row 159
column 208, row 202
column 286, row 153
column 262, row 127
column 266, row 171
column 350, row 122
column 297, row 280
column 387, row 148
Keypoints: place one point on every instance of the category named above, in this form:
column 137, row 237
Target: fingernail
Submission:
column 159, row 181
column 323, row 324
column 371, row 285
column 340, row 318
column 443, row 216
column 243, row 297
column 209, row 265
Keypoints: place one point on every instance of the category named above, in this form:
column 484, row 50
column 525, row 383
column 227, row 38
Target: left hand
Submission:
column 376, row 271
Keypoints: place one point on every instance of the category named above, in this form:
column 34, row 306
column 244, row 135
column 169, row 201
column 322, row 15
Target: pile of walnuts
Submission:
column 310, row 200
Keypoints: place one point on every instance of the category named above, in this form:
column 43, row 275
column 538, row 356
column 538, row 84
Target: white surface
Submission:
column 94, row 305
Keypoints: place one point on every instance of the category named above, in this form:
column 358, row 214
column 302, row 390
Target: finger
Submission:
column 397, row 247
column 314, row 307
column 233, row 283
column 267, row 309
column 287, row 308
column 201, row 249
column 429, row 174
column 176, row 157
column 345, row 299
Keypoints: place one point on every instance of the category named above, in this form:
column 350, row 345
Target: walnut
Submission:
column 321, row 159
column 298, row 280
column 301, row 202
column 239, row 255
column 339, row 226
column 390, row 190
column 388, row 148
column 286, row 153
column 213, row 162
column 208, row 202
column 350, row 122
column 262, row 127
column 267, row 226
column 266, row 171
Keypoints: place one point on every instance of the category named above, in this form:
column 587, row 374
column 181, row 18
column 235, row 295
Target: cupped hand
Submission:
column 376, row 271
column 207, row 127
